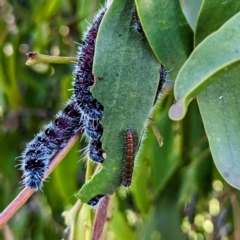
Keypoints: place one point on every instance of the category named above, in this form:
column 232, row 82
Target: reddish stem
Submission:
column 26, row 193
column 100, row 218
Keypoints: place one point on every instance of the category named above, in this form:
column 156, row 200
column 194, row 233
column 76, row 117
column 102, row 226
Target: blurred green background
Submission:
column 177, row 192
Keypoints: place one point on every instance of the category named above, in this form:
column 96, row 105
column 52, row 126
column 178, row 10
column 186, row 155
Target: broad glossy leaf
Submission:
column 219, row 106
column 167, row 31
column 220, row 15
column 191, row 9
column 214, row 54
column 130, row 75
column 212, row 15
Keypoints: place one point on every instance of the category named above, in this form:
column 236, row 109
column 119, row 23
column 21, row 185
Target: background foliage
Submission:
column 177, row 192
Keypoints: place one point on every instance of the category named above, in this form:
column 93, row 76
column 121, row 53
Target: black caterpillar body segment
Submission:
column 137, row 27
column 91, row 109
column 162, row 80
column 94, row 201
column 128, row 164
column 95, row 151
column 38, row 153
column 163, row 77
column 82, row 112
column 94, row 130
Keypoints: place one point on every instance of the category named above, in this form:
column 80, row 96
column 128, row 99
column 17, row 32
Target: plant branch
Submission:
column 100, row 218
column 156, row 133
column 236, row 215
column 25, row 194
column 108, row 219
column 35, row 58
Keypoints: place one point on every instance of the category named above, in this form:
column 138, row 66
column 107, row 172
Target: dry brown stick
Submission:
column 156, row 133
column 7, row 233
column 108, row 218
column 25, row 194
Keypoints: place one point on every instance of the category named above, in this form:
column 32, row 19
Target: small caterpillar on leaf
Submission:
column 128, row 164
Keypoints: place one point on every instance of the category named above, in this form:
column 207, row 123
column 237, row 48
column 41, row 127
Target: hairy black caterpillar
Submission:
column 82, row 112
column 91, row 109
column 137, row 27
column 162, row 80
column 128, row 164
column 38, row 153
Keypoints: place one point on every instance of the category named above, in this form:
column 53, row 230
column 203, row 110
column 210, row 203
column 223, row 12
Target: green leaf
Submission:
column 196, row 177
column 165, row 161
column 219, row 106
column 118, row 222
column 164, row 219
column 44, row 10
column 157, row 164
column 85, row 13
column 214, row 54
column 141, row 198
column 212, row 17
column 191, row 9
column 219, row 16
column 167, row 31
column 130, row 76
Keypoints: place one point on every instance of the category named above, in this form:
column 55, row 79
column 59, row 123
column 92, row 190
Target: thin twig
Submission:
column 7, row 233
column 35, row 58
column 108, row 217
column 25, row 194
column 71, row 218
column 236, row 216
column 157, row 133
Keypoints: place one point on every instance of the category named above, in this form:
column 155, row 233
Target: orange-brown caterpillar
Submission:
column 130, row 150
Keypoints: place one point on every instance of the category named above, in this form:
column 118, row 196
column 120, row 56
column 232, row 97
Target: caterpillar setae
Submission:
column 38, row 153
column 82, row 113
column 128, row 164
column 162, row 80
column 91, row 109
column 137, row 27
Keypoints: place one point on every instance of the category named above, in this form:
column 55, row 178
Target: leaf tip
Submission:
column 176, row 111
